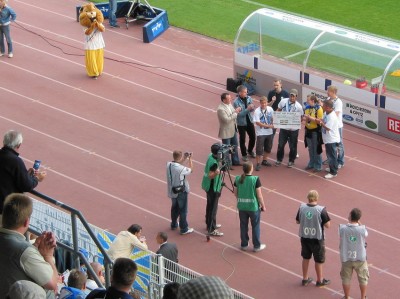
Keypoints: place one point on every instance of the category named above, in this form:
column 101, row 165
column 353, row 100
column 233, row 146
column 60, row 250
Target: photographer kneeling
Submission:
column 178, row 190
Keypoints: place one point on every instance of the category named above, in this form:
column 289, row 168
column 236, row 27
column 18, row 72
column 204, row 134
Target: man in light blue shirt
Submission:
column 6, row 16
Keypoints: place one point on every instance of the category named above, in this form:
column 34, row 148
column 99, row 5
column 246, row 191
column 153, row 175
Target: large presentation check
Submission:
column 287, row 120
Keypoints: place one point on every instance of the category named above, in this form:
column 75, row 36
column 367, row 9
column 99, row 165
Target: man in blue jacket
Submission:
column 6, row 16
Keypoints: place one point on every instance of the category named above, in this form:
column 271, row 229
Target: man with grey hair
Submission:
column 14, row 177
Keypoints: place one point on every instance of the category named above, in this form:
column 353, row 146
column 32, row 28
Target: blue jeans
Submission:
column 5, row 31
column 254, row 217
column 291, row 138
column 340, row 148
column 331, row 153
column 312, row 144
column 179, row 209
column 112, row 11
column 233, row 141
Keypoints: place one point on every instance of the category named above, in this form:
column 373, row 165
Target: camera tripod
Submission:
column 223, row 173
column 139, row 11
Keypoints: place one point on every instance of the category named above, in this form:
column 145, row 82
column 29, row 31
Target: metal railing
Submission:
column 78, row 256
column 154, row 271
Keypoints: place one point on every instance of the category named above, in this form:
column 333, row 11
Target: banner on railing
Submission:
column 48, row 218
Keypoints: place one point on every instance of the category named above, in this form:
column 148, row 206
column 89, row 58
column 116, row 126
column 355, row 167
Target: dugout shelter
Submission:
column 311, row 55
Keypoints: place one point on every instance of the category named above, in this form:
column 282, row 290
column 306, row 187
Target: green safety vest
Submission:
column 247, row 195
column 206, row 183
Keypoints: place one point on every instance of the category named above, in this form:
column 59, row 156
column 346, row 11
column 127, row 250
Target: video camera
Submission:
column 222, row 153
column 223, row 156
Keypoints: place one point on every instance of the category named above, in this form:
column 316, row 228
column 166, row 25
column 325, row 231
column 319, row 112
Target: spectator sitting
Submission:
column 122, row 278
column 76, row 286
column 91, row 283
column 171, row 290
column 25, row 289
column 205, row 287
column 125, row 241
column 27, row 261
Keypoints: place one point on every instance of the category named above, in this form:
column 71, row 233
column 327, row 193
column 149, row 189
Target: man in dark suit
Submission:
column 169, row 252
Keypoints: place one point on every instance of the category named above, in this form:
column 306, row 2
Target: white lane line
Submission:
column 125, row 36
column 163, row 181
column 164, row 120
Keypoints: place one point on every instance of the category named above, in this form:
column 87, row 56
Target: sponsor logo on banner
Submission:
column 360, row 115
column 157, row 28
column 393, row 125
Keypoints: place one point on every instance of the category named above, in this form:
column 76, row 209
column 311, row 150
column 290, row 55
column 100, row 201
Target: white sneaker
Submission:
column 340, row 166
column 216, row 233
column 330, row 176
column 297, row 156
column 218, row 225
column 328, row 169
column 10, row 55
column 189, row 231
column 262, row 247
column 1, row 54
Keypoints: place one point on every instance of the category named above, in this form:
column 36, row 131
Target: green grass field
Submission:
column 221, row 18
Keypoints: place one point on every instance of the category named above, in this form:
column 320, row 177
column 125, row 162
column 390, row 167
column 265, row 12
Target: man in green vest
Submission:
column 212, row 184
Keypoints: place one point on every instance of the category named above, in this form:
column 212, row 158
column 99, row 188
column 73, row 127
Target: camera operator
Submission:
column 178, row 190
column 212, row 184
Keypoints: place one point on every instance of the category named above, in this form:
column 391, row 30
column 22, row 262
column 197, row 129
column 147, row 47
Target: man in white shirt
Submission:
column 263, row 120
column 178, row 190
column 288, row 135
column 98, row 269
column 338, row 108
column 331, row 137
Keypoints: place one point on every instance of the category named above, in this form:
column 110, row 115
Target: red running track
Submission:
column 105, row 143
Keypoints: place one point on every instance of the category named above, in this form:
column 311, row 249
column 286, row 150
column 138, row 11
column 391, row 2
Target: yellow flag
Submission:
column 396, row 73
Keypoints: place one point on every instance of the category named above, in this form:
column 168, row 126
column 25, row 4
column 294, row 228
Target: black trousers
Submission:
column 249, row 129
column 287, row 136
column 211, row 209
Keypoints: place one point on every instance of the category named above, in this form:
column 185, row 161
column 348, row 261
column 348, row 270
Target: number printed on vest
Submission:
column 352, row 254
column 309, row 231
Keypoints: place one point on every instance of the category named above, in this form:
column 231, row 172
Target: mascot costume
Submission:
column 92, row 18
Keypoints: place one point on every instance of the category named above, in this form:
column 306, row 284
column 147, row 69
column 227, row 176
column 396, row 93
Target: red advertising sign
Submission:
column 393, row 125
